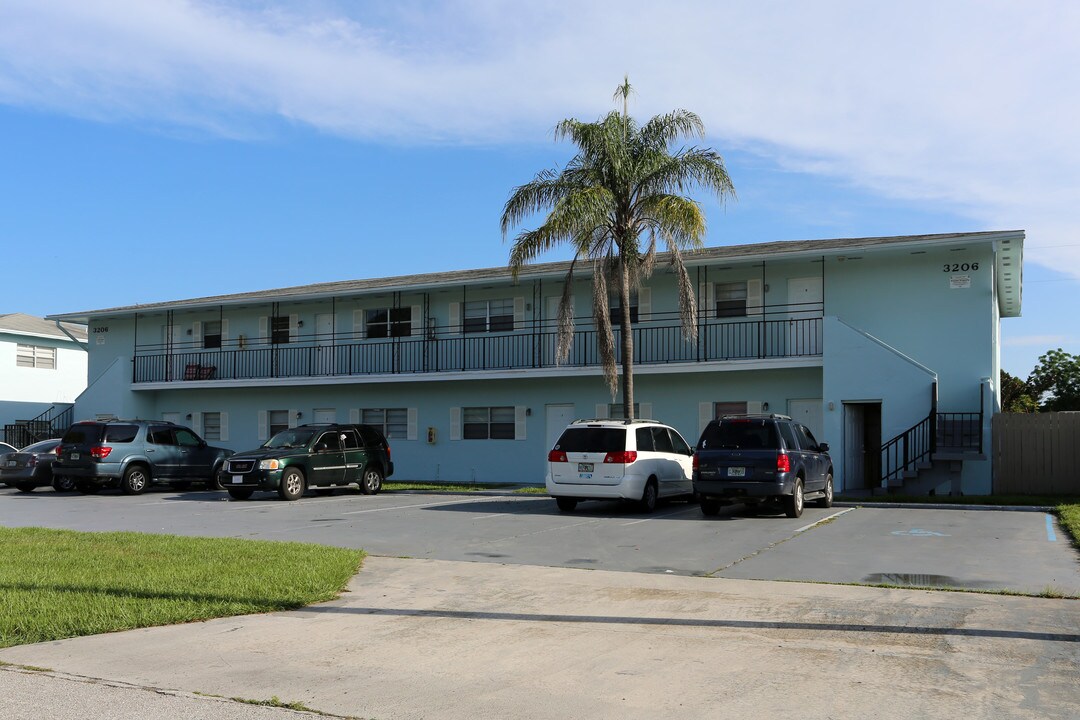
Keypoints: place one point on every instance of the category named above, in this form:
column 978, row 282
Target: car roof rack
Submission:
column 763, row 416
column 622, row 421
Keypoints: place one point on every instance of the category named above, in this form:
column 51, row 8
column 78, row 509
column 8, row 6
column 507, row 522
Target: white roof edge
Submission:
column 430, row 281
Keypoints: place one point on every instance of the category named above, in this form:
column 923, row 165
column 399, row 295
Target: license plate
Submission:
column 585, row 467
column 237, row 479
column 11, row 463
column 74, row 456
column 736, row 472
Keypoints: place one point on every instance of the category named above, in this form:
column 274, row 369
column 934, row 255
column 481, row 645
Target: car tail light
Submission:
column 100, row 451
column 56, row 450
column 387, row 451
column 783, row 462
column 32, row 461
column 557, row 456
column 697, row 462
column 623, row 457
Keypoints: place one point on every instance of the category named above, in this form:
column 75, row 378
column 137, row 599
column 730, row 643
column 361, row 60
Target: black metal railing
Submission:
column 907, row 450
column 959, row 431
column 326, row 356
column 50, row 424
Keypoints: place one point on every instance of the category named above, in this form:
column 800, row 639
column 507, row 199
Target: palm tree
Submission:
column 616, row 198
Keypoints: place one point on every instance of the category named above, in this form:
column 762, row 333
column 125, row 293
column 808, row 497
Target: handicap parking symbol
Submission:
column 919, row 532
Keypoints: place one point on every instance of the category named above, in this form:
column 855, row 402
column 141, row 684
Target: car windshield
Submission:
column 592, row 439
column 295, row 438
column 740, row 435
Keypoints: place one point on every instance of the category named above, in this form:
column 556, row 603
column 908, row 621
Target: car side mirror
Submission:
column 823, row 447
column 321, row 447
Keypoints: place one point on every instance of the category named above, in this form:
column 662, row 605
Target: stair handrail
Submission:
column 905, row 451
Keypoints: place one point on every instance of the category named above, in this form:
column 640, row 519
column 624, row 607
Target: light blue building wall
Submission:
column 853, row 337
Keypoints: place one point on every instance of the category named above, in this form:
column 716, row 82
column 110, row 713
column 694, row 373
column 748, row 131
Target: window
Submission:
column 278, row 420
column 279, row 329
column 661, row 440
column 489, row 316
column 616, row 315
column 186, row 438
column 788, row 435
column 615, row 411
column 731, row 299
column 806, row 438
column 35, row 356
column 482, row 423
column 721, row 409
column 388, row 322
column 211, row 335
column 160, row 435
column 350, row 439
column 211, row 425
column 392, row 422
column 644, row 439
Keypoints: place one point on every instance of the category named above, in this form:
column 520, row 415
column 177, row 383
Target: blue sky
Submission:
column 167, row 149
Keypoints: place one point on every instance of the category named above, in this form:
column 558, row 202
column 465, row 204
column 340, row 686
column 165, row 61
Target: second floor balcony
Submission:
column 659, row 341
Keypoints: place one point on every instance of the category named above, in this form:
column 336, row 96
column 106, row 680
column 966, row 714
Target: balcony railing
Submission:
column 343, row 355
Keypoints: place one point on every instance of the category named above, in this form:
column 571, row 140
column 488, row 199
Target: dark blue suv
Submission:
column 759, row 459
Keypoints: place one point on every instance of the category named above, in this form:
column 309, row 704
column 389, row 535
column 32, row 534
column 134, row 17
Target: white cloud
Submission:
column 967, row 104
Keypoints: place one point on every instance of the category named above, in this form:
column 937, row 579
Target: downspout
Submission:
column 84, row 345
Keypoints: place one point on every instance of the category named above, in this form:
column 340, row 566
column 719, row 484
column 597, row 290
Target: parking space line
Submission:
column 1050, row 536
column 658, row 517
column 824, row 519
column 423, row 505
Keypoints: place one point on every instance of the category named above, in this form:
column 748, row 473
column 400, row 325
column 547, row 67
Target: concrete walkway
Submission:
column 457, row 640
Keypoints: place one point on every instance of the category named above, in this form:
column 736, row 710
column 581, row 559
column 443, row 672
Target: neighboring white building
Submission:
column 43, row 366
column 887, row 348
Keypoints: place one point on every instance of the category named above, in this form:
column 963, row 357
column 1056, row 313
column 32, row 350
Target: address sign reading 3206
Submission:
column 961, row 267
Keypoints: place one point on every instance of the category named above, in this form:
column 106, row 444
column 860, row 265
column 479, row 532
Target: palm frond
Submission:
column 687, row 301
column 605, row 338
column 565, row 322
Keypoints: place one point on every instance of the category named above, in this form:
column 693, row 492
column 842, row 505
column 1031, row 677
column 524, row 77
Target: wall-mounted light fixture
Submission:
column 189, row 416
column 299, row 414
column 765, row 406
column 189, row 331
column 299, row 323
column 528, row 411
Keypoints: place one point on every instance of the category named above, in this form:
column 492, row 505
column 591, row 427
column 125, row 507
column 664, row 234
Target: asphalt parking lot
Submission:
column 1020, row 551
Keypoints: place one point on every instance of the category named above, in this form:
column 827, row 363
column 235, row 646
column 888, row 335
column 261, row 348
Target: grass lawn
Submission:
column 58, row 583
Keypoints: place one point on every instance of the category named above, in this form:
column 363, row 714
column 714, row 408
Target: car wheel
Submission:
column 793, row 503
column 371, row 482
column 648, row 497
column 63, row 483
column 136, row 479
column 825, row 501
column 87, row 488
column 292, row 484
column 212, row 482
column 566, row 504
column 25, row 487
column 180, row 485
column 709, row 506
column 240, row 493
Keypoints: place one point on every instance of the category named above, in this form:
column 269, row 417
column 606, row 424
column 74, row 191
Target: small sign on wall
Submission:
column 959, row 282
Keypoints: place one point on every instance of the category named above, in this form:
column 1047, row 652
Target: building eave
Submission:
column 1009, row 286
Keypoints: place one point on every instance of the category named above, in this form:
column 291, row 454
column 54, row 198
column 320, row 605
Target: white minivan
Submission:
column 639, row 460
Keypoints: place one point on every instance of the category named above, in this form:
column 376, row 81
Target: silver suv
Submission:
column 638, row 460
column 133, row 454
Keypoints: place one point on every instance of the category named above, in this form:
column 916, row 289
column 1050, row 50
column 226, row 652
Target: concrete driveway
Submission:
column 466, row 640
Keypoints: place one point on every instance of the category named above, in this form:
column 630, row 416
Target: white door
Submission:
column 854, row 475
column 805, row 296
column 325, row 415
column 558, row 417
column 324, row 343
column 808, row 412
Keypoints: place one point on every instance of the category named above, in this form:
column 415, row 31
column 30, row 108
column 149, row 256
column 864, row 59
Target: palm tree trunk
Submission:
column 627, row 342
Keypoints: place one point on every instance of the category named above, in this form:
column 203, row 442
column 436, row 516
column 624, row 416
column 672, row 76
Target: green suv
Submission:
column 318, row 456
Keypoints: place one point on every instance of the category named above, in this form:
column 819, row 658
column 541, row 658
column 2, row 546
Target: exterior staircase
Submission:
column 52, row 423
column 932, row 452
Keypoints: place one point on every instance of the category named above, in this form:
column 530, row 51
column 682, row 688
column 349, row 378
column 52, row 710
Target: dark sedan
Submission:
column 31, row 468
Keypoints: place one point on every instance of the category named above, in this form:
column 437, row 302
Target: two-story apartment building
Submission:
column 887, row 348
column 42, row 371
